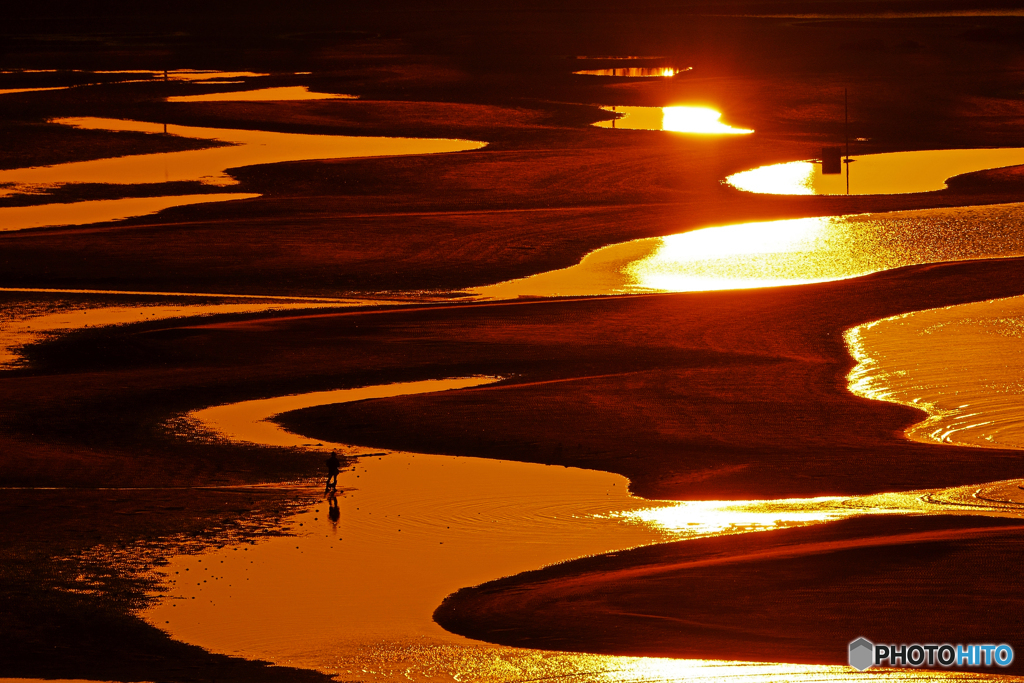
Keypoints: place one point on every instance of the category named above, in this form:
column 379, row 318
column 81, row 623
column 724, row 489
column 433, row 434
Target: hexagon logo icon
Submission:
column 862, row 654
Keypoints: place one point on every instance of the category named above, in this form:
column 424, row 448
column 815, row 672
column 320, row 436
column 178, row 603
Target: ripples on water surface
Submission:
column 786, row 252
column 892, row 173
column 963, row 364
column 677, row 119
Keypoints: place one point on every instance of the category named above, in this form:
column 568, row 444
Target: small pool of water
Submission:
column 635, row 72
column 786, row 252
column 892, row 173
column 962, row 364
column 680, row 119
column 287, row 93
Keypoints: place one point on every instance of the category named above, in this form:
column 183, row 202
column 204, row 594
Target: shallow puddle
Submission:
column 287, row 93
column 634, row 72
column 209, row 166
column 786, row 252
column 963, row 364
column 353, row 591
column 892, row 173
column 677, row 119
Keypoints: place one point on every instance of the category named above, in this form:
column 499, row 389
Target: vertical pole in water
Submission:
column 846, row 114
column 165, row 81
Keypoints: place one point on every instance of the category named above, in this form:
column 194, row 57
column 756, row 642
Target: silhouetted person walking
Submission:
column 333, row 467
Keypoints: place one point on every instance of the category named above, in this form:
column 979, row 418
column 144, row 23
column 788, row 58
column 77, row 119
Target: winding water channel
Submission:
column 351, row 593
column 207, row 166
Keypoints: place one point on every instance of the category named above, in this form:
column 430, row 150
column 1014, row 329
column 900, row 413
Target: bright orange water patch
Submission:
column 893, row 173
column 963, row 364
column 679, row 119
column 787, row 252
column 11, row 91
column 101, row 211
column 288, row 93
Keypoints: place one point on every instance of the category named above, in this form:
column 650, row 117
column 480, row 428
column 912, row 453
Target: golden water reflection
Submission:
column 891, row 173
column 963, row 364
column 286, row 93
column 680, row 119
column 635, row 72
column 410, row 528
column 786, row 252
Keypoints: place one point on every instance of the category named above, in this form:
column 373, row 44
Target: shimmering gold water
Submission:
column 787, row 252
column 963, row 365
column 635, row 72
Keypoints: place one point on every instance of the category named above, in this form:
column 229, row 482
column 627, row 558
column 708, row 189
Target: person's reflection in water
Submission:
column 333, row 511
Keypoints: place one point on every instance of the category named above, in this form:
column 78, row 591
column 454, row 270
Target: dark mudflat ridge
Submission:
column 798, row 595
column 719, row 395
column 694, row 396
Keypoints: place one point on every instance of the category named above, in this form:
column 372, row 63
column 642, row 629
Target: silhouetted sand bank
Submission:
column 796, row 595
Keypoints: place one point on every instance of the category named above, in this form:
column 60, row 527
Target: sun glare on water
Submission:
column 678, row 119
